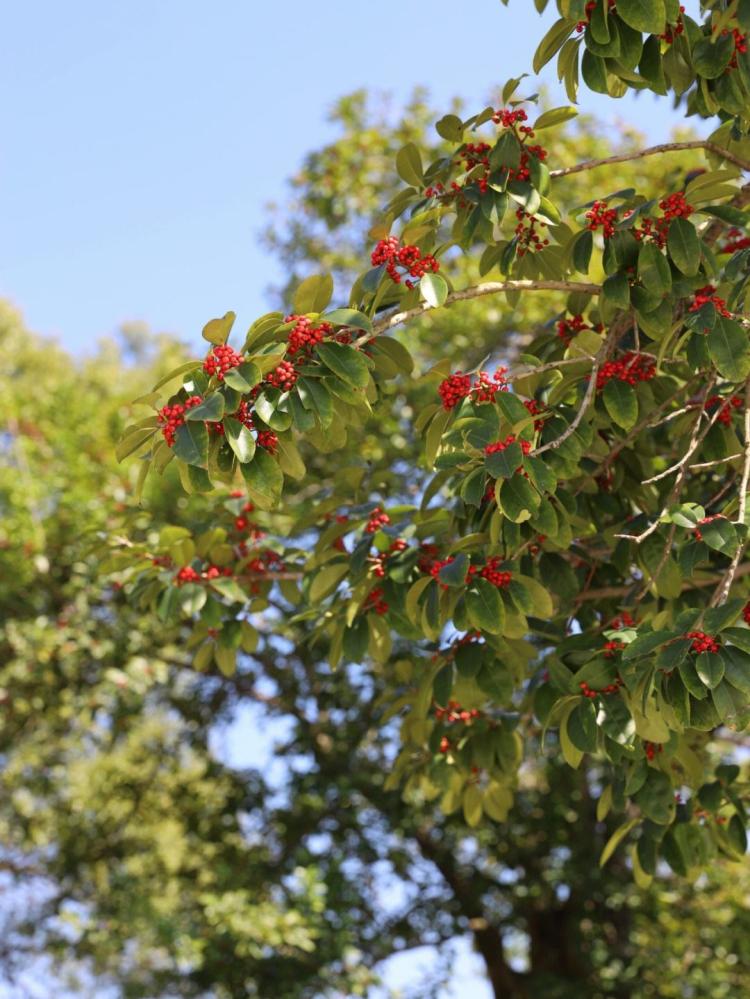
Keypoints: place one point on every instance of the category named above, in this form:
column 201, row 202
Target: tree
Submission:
column 568, row 553
column 455, row 878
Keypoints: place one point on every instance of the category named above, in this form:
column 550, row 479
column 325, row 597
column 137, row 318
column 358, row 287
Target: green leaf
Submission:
column 616, row 290
column 344, row 361
column 503, row 464
column 653, row 270
column 729, row 349
column 644, row 15
column 264, row 479
column 711, row 58
column 314, row 294
column 581, row 727
column 621, row 403
column 684, row 246
column 217, row 330
column 191, row 444
column 239, row 439
column 409, row 165
column 582, row 249
column 540, row 474
column 326, row 580
column 472, row 805
column 396, row 351
column 450, row 127
column 721, row 535
column 350, row 317
column 243, row 378
column 434, row 289
column 518, row 499
column 556, row 116
column 552, row 42
column 710, row 668
column 182, row 369
column 485, row 608
column 645, row 644
column 737, row 668
column 454, row 573
column 210, row 410
column 130, row 442
column 615, row 839
column 656, row 798
column 571, row 753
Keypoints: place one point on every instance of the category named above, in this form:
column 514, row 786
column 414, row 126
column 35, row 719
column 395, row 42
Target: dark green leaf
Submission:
column 621, row 403
column 239, row 439
column 344, row 361
column 643, row 15
column 485, row 608
column 684, row 246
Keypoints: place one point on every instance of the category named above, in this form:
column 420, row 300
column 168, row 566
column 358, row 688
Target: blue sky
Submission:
column 143, row 140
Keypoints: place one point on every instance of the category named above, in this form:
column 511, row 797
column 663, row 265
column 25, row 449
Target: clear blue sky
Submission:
column 142, row 140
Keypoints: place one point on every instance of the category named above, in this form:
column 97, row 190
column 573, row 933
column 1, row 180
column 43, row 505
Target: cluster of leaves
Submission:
column 654, row 45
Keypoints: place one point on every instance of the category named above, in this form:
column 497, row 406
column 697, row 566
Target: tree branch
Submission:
column 664, row 147
column 396, row 318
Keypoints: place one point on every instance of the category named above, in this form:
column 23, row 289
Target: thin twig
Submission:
column 601, row 355
column 396, row 318
column 722, row 590
column 695, row 442
column 664, row 147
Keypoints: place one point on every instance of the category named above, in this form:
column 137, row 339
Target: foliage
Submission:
column 567, row 552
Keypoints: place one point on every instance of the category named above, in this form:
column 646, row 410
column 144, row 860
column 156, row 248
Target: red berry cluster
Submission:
column 502, row 445
column 727, row 405
column 305, row 334
column 187, row 575
column 220, row 359
column 702, row 642
column 377, row 519
column 567, row 328
column 268, row 440
column 740, row 45
column 623, row 620
column 409, row 258
column 631, row 368
column 708, row 294
column 375, row 602
column 674, row 29
column 508, row 118
column 601, row 217
column 190, row 575
column 674, row 206
column 474, row 155
column 652, row 748
column 491, row 572
column 610, row 648
column 453, row 712
column 485, row 388
column 283, row 377
column 529, row 240
column 458, row 386
column 172, row 417
column 746, row 613
column 535, row 409
column 589, row 692
column 736, row 241
column 378, row 561
column 445, row 744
